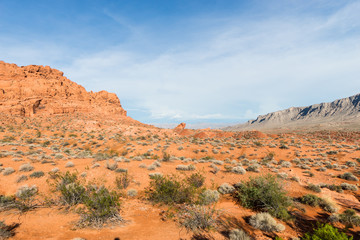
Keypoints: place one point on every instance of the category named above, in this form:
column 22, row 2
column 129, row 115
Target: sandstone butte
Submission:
column 33, row 90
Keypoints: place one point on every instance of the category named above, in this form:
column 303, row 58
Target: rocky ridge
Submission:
column 340, row 114
column 41, row 91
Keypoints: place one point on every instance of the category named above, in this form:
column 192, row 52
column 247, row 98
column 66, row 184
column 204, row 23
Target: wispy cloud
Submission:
column 227, row 68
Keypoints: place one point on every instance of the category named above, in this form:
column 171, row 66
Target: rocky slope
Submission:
column 38, row 90
column 340, row 114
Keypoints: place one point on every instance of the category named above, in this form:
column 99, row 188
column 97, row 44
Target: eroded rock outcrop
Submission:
column 38, row 90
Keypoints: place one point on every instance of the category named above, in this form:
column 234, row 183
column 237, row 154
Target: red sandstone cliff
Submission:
column 38, row 90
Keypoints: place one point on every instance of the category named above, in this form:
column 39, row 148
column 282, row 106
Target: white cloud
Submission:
column 238, row 70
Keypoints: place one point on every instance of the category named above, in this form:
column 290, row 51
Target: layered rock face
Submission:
column 37, row 90
column 340, row 114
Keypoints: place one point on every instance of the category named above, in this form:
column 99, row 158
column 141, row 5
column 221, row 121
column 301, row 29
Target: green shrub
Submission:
column 25, row 197
column 123, row 180
column 310, row 199
column 7, row 202
column 101, row 207
column 171, row 189
column 314, row 188
column 71, row 189
column 37, row 174
column 349, row 218
column 334, row 187
column 326, row 232
column 166, row 157
column 316, row 201
column 197, row 218
column 196, row 179
column 264, row 193
column 348, row 176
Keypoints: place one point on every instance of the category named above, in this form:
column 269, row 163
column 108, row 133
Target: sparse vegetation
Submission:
column 171, row 189
column 326, row 232
column 265, row 222
column 264, row 193
column 123, row 180
column 197, row 218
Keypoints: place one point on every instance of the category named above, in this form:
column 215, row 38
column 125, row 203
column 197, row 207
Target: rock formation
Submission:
column 38, row 90
column 340, row 114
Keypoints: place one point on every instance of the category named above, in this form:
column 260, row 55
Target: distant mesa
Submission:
column 37, row 90
column 341, row 114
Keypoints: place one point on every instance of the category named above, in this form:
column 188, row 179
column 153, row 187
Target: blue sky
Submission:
column 193, row 61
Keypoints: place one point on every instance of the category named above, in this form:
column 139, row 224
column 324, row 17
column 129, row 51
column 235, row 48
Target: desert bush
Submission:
column 155, row 174
column 196, row 180
column 351, row 164
column 101, row 156
column 265, row 222
column 286, row 164
column 7, row 202
column 326, row 232
column 121, row 170
column 215, row 169
column 209, row 196
column 69, row 164
column 238, row 170
column 26, row 197
column 132, row 193
column 322, row 169
column 348, row 176
column 310, row 199
column 21, row 178
column 95, row 165
column 316, row 201
column 142, row 165
column 334, row 187
column 282, row 175
column 27, row 167
column 349, row 218
column 166, row 157
column 348, row 186
column 228, row 168
column 8, row 171
column 264, row 193
column 55, row 170
column 37, row 174
column 253, row 168
column 314, row 188
column 295, row 179
column 226, row 188
column 156, row 163
column 111, row 166
column 151, row 167
column 185, row 167
column 170, row 189
column 101, row 206
column 239, row 234
column 123, row 180
column 71, row 189
column 197, row 218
